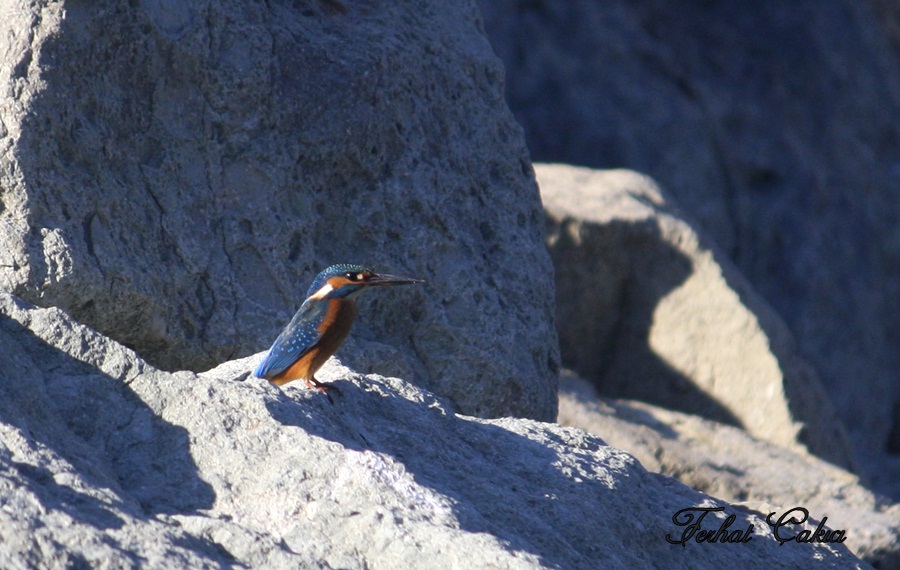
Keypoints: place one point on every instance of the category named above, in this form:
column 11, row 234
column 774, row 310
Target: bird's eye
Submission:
column 355, row 276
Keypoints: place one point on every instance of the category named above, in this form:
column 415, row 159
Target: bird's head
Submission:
column 346, row 280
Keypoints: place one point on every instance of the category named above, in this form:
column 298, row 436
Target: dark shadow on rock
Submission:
column 499, row 482
column 824, row 433
column 79, row 506
column 607, row 288
column 702, row 97
column 623, row 411
column 102, row 428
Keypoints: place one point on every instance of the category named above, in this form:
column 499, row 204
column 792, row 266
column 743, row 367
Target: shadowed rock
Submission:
column 777, row 126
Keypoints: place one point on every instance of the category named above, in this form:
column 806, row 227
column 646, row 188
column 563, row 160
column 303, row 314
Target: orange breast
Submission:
column 297, row 370
column 333, row 328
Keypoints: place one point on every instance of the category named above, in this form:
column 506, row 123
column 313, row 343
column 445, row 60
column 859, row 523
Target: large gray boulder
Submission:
column 776, row 125
column 730, row 464
column 110, row 462
column 649, row 309
column 175, row 174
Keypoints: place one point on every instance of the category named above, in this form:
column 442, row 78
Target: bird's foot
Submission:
column 324, row 387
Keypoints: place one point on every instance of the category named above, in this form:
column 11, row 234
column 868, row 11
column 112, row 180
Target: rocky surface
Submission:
column 776, row 125
column 108, row 461
column 649, row 309
column 727, row 463
column 175, row 174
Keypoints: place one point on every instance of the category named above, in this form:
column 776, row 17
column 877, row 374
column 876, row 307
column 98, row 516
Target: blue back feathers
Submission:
column 294, row 341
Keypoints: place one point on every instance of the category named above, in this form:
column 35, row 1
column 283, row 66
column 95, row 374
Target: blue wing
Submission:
column 294, row 341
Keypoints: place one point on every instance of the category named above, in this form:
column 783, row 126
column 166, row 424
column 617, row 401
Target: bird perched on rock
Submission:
column 321, row 324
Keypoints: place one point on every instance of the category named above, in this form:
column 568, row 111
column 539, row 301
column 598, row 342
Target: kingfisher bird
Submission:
column 321, row 324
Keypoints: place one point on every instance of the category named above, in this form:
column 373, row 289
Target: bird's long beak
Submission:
column 382, row 279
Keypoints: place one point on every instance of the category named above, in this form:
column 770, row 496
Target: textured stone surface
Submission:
column 776, row 125
column 727, row 463
column 175, row 174
column 649, row 309
column 107, row 460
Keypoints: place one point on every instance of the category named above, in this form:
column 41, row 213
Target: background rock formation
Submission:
column 776, row 125
column 175, row 176
column 651, row 310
